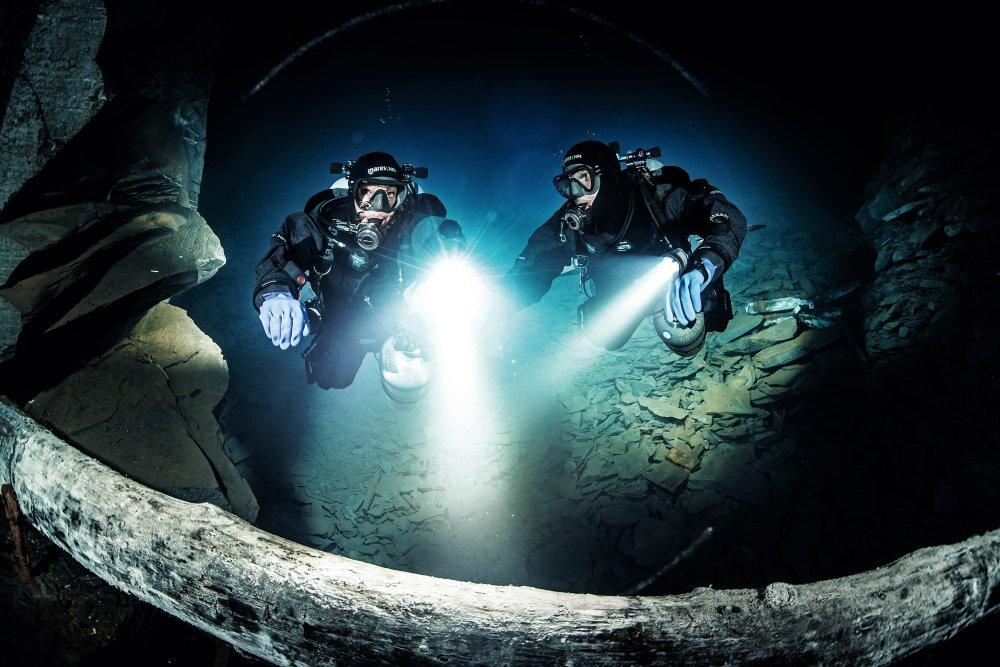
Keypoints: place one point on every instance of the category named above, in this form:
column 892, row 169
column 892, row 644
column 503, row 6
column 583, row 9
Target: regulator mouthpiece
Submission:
column 369, row 236
column 576, row 218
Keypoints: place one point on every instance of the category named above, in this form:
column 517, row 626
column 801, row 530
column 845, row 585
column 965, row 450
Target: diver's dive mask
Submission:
column 377, row 202
column 370, row 233
column 572, row 184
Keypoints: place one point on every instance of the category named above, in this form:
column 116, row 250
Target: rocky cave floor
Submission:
column 592, row 471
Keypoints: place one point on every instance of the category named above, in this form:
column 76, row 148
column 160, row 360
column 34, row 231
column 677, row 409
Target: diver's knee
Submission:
column 338, row 381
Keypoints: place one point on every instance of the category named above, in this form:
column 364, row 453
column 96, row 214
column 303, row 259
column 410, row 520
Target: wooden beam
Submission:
column 293, row 605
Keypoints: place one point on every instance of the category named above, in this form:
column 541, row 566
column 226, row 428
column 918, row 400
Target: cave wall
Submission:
column 931, row 216
column 102, row 149
column 55, row 89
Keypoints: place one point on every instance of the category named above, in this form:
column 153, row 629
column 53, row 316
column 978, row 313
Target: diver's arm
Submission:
column 280, row 268
column 450, row 235
column 541, row 262
column 279, row 278
column 701, row 209
column 718, row 222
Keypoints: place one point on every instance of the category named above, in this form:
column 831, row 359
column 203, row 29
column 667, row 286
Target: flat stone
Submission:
column 425, row 512
column 723, row 399
column 901, row 211
column 668, row 475
column 785, row 376
column 793, row 350
column 740, row 325
column 596, row 470
column 145, row 408
column 684, row 455
column 661, row 407
column 619, row 514
column 764, row 338
column 727, row 470
column 780, row 305
column 633, row 463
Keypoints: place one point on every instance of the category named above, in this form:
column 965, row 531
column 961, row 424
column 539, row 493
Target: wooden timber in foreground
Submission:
column 293, row 605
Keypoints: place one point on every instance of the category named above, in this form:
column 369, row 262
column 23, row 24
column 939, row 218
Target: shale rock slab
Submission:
column 145, row 408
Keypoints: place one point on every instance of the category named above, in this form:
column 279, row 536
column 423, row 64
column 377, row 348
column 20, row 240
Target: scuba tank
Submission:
column 404, row 369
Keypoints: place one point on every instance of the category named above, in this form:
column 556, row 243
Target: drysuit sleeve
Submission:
column 703, row 210
column 292, row 252
column 541, row 262
column 431, row 237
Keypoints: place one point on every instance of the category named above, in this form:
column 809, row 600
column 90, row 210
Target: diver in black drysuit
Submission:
column 359, row 290
column 628, row 219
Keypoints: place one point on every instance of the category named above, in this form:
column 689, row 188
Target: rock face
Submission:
column 56, row 91
column 95, row 233
column 931, row 217
column 101, row 153
column 145, row 408
column 93, row 267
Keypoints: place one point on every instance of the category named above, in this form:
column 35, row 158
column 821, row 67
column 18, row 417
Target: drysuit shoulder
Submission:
column 702, row 188
column 671, row 176
column 426, row 205
column 321, row 198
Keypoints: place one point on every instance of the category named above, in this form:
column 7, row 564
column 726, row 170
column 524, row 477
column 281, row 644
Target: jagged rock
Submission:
column 58, row 89
column 12, row 253
column 95, row 235
column 138, row 252
column 937, row 184
column 145, row 407
column 78, row 263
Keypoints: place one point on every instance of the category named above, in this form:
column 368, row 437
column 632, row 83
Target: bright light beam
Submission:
column 609, row 322
column 452, row 301
column 579, row 353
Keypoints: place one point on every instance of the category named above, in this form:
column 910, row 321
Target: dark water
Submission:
column 515, row 485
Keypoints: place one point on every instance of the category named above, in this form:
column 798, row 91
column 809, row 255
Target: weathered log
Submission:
column 291, row 604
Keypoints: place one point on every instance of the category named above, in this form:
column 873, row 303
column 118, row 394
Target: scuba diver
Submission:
column 615, row 227
column 356, row 245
